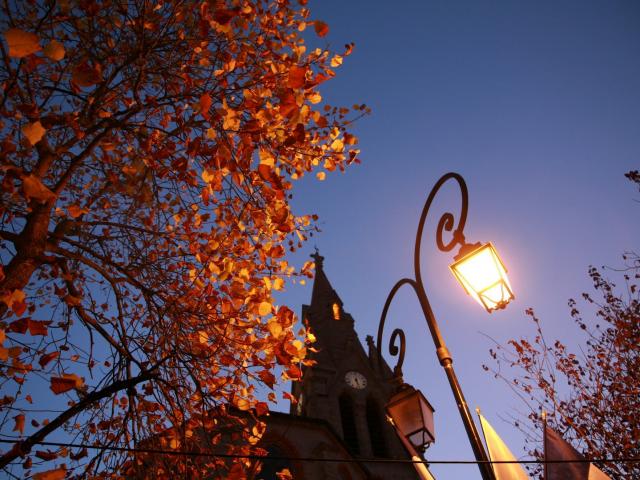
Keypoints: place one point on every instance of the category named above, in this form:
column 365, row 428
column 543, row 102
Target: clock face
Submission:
column 355, row 380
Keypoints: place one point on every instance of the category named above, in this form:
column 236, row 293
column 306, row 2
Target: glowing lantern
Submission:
column 482, row 274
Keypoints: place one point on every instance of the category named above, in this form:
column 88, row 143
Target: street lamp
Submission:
column 412, row 415
column 480, row 271
column 484, row 277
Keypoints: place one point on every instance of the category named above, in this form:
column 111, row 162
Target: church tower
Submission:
column 346, row 386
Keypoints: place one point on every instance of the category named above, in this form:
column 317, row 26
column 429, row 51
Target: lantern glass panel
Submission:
column 484, row 277
column 413, row 416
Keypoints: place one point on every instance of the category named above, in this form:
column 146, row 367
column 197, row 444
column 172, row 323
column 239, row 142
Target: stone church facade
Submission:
column 340, row 413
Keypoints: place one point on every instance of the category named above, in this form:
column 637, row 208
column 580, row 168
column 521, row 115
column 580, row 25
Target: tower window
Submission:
column 336, row 311
column 376, row 432
column 349, row 431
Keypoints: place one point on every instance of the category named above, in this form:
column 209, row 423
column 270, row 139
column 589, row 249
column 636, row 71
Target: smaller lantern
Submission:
column 482, row 274
column 412, row 415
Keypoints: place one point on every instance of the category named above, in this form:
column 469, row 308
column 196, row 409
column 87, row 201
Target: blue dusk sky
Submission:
column 537, row 105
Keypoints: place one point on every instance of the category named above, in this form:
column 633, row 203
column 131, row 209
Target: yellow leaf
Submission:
column 243, row 404
column 336, row 61
column 264, row 308
column 321, row 175
column 266, row 158
column 203, row 337
column 211, row 133
column 21, row 43
column 315, row 97
column 57, row 474
column 34, row 132
column 284, row 474
column 54, row 50
column 278, row 283
column 275, row 328
column 337, row 145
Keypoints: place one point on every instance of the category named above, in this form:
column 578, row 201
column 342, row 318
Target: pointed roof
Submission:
column 322, row 293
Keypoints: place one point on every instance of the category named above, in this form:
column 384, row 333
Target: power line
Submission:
column 183, row 453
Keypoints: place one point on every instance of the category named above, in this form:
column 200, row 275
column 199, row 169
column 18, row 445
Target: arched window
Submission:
column 349, row 431
column 273, row 463
column 336, row 311
column 376, row 431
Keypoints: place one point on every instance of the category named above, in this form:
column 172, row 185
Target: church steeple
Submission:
column 345, row 386
column 323, row 293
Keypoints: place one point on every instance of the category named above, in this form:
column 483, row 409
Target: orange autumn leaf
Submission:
column 48, row 357
column 262, row 408
column 38, row 327
column 15, row 300
column 46, row 455
column 290, row 397
column 321, row 28
column 242, row 404
column 294, row 372
column 54, row 50
column 205, row 104
column 267, row 378
column 86, row 75
column 34, row 132
column 68, row 381
column 19, row 423
column 56, row 474
column 21, row 43
column 284, row 474
column 75, row 211
column 34, row 189
column 297, row 76
column 174, row 157
column 264, row 308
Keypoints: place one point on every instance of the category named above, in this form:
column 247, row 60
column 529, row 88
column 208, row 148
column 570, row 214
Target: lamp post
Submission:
column 482, row 274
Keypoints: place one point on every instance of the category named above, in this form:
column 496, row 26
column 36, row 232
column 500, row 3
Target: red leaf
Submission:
column 264, row 171
column 65, row 383
column 47, row 357
column 46, row 455
column 21, row 43
column 19, row 326
column 267, row 377
column 297, row 76
column 37, row 327
column 223, row 17
column 19, row 426
column 85, row 75
column 294, row 372
column 205, row 105
column 288, row 396
column 321, row 28
column 77, row 456
column 261, row 408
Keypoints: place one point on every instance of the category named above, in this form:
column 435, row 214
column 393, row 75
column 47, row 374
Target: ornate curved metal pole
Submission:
column 447, row 222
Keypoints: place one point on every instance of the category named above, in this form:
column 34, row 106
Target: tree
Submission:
column 148, row 152
column 593, row 397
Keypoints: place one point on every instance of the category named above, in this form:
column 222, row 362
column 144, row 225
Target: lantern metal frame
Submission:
column 467, row 253
column 446, row 222
column 409, row 394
